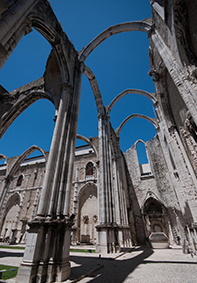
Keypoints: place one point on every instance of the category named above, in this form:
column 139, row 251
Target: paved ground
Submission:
column 140, row 265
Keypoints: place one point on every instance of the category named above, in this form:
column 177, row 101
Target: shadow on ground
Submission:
column 115, row 271
column 11, row 254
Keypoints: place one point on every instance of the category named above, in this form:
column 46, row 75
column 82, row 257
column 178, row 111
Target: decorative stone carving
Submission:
column 95, row 218
column 85, row 219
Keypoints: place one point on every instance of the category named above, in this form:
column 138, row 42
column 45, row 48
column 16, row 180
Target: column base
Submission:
column 46, row 257
column 112, row 237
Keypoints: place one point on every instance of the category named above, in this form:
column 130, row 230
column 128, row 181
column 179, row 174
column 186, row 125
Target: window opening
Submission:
column 89, row 169
column 19, row 181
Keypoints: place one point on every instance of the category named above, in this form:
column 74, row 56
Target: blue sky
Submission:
column 121, row 62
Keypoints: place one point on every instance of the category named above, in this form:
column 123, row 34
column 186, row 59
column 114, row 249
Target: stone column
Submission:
column 46, row 256
column 54, row 163
column 107, row 228
column 75, row 208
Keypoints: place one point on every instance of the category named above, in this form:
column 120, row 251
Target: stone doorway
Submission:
column 87, row 218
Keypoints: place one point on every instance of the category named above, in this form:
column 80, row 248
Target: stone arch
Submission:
column 14, row 168
column 155, row 215
column 151, row 120
column 144, row 169
column 54, row 37
column 9, row 216
column 21, row 105
column 129, row 91
column 40, row 17
column 96, row 91
column 88, row 141
column 22, row 157
column 87, row 213
column 2, row 156
column 123, row 27
column 89, row 168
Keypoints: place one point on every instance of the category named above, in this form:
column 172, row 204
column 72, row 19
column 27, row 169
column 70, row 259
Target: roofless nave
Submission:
column 101, row 196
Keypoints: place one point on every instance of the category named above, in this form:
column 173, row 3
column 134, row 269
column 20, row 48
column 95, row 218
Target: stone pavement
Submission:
column 139, row 265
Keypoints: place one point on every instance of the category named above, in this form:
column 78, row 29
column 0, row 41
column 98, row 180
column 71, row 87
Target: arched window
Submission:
column 144, row 165
column 89, row 169
column 19, row 181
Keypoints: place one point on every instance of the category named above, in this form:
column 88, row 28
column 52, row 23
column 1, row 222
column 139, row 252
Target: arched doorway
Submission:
column 10, row 217
column 155, row 216
column 88, row 214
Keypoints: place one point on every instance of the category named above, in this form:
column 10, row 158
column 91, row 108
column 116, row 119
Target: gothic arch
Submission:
column 80, row 137
column 152, row 198
column 85, row 186
column 155, row 215
column 40, row 17
column 14, row 168
column 22, row 157
column 123, row 27
column 135, row 146
column 15, row 198
column 87, row 213
column 129, row 91
column 21, row 105
column 96, row 91
column 13, row 201
column 152, row 120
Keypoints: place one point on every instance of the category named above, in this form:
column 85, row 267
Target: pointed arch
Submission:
column 9, row 213
column 80, row 137
column 15, row 198
column 129, row 91
column 92, row 184
column 143, row 26
column 151, row 120
column 96, row 91
column 150, row 196
column 22, row 157
column 21, row 105
column 42, row 18
column 87, row 213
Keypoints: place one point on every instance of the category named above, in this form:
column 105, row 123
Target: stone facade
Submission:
column 96, row 194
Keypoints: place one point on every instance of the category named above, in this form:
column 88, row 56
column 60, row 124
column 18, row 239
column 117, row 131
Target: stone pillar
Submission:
column 107, row 228
column 120, row 198
column 46, row 257
column 75, row 207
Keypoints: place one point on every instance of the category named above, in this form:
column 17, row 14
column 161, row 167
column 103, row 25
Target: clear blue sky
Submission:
column 121, row 62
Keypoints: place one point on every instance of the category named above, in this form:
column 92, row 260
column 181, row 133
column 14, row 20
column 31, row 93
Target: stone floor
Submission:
column 139, row 265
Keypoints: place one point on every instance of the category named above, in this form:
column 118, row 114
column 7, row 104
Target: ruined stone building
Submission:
column 95, row 193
